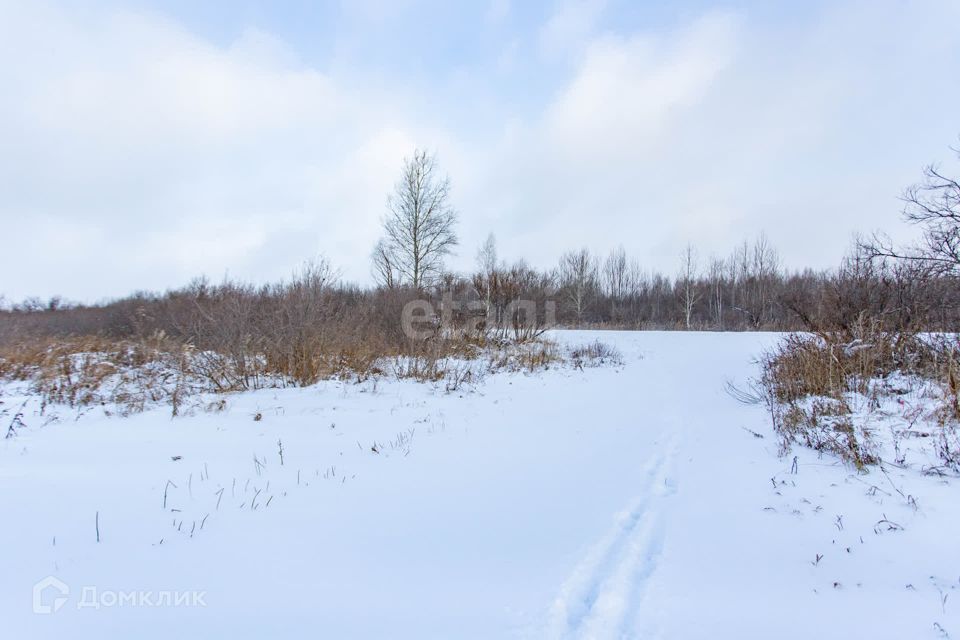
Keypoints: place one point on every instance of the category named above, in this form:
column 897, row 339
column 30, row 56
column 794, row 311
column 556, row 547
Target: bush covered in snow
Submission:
column 861, row 393
column 126, row 376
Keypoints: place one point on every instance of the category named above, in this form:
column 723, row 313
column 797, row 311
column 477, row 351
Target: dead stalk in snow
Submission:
column 168, row 485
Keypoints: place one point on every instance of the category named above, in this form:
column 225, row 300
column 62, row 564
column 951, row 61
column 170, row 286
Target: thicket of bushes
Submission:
column 739, row 297
column 820, row 387
column 235, row 336
column 229, row 337
column 871, row 341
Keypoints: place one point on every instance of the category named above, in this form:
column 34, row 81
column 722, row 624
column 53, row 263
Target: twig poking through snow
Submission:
column 169, row 484
column 891, row 526
column 17, row 421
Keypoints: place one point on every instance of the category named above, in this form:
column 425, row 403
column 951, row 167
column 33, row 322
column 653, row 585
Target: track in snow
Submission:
column 602, row 597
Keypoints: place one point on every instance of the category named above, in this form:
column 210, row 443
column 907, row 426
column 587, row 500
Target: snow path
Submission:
column 605, row 587
column 620, row 502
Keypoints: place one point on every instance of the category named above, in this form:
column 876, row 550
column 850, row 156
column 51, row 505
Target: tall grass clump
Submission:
column 818, row 386
column 234, row 336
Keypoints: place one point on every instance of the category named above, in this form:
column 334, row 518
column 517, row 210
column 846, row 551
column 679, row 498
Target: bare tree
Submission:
column 487, row 254
column 578, row 278
column 384, row 270
column 934, row 205
column 636, row 275
column 616, row 274
column 752, row 274
column 688, row 283
column 716, row 271
column 419, row 225
column 766, row 266
column 616, row 281
column 485, row 280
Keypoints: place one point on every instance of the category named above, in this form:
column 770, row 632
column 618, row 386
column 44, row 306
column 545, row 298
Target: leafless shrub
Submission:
column 470, row 363
column 528, row 356
column 594, row 354
column 808, row 380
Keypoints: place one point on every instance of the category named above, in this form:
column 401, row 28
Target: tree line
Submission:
column 746, row 290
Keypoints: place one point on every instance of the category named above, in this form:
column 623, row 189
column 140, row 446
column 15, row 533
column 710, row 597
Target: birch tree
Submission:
column 688, row 283
column 419, row 227
column 578, row 278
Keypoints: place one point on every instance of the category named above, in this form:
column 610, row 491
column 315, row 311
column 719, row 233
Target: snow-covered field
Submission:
column 613, row 502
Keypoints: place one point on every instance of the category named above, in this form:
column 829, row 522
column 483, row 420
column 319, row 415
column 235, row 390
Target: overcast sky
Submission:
column 147, row 142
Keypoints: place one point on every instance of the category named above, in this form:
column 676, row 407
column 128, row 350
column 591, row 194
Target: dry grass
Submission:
column 595, row 353
column 808, row 382
column 126, row 376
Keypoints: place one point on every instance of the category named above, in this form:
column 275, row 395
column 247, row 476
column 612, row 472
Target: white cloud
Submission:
column 179, row 157
column 570, row 27
column 724, row 128
column 138, row 154
column 629, row 89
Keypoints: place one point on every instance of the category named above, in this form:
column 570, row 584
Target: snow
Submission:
column 615, row 502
